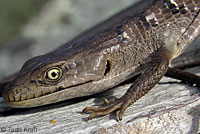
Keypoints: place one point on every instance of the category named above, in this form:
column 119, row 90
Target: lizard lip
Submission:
column 57, row 96
column 14, row 95
column 10, row 95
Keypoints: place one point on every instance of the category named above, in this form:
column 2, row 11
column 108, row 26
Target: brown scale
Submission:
column 149, row 50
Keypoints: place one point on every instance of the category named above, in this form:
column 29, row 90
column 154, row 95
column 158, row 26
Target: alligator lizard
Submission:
column 141, row 45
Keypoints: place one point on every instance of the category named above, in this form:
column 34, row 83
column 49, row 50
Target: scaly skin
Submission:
column 143, row 44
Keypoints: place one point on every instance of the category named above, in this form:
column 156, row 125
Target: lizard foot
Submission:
column 120, row 104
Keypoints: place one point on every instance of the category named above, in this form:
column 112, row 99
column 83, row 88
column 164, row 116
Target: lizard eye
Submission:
column 53, row 74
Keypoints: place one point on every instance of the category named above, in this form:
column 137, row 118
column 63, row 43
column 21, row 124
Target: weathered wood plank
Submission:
column 170, row 107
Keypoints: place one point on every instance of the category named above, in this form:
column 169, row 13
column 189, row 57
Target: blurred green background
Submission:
column 14, row 14
column 33, row 27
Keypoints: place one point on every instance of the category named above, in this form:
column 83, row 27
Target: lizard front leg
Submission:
column 154, row 71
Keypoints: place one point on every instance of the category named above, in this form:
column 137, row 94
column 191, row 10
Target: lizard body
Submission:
column 143, row 44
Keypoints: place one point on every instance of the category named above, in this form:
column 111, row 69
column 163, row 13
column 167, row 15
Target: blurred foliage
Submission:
column 14, row 14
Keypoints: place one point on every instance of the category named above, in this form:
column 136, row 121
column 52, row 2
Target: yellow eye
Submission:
column 53, row 74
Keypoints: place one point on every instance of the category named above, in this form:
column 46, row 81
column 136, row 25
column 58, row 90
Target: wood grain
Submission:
column 170, row 107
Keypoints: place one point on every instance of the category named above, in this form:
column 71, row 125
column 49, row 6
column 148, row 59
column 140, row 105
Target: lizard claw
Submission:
column 106, row 101
column 102, row 111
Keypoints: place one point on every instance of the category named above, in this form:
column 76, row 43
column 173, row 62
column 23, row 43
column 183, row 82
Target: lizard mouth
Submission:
column 17, row 95
column 13, row 97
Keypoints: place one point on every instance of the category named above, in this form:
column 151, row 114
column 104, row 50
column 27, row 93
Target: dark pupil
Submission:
column 53, row 74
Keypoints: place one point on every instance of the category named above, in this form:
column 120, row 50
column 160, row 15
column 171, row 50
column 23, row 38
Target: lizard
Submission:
column 142, row 45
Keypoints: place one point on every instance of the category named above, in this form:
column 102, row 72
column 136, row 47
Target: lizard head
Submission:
column 48, row 74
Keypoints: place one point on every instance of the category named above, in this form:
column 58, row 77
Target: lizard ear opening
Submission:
column 108, row 66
